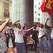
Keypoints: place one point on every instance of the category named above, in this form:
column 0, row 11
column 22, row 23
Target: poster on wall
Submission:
column 47, row 6
column 40, row 15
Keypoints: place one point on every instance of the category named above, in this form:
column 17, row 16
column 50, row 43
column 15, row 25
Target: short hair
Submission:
column 9, row 24
column 18, row 25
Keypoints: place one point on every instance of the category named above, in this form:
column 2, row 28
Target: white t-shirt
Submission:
column 41, row 32
column 10, row 43
column 52, row 33
column 19, row 35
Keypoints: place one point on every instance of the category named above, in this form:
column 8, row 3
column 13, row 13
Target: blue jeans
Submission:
column 20, row 47
column 51, row 45
column 44, row 45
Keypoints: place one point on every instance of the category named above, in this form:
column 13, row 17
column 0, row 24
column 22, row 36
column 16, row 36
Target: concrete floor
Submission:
column 35, row 52
column 31, row 52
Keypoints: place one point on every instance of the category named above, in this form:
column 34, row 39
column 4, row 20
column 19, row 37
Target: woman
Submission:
column 19, row 40
column 3, row 46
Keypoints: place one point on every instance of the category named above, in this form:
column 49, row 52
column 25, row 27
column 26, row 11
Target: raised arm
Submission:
column 3, row 25
column 29, row 29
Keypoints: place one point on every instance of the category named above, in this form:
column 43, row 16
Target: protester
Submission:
column 19, row 40
column 35, row 38
column 3, row 46
column 42, row 39
column 10, row 38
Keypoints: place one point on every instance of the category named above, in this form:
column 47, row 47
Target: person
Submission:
column 10, row 41
column 35, row 37
column 51, row 41
column 10, row 38
column 48, row 33
column 51, row 33
column 42, row 39
column 3, row 46
column 19, row 40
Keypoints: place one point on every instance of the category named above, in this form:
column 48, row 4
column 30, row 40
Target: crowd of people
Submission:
column 15, row 38
column 12, row 38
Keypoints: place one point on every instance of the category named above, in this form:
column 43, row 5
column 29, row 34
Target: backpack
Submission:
column 3, row 46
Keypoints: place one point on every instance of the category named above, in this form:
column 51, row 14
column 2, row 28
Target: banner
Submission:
column 47, row 6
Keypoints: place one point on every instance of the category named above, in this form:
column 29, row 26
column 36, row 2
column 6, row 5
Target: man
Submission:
column 35, row 38
column 49, row 34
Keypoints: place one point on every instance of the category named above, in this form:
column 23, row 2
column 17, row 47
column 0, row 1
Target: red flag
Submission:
column 43, row 7
column 47, row 7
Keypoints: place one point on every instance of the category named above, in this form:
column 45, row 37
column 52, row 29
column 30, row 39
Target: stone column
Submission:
column 22, row 10
column 13, row 13
column 1, row 10
column 6, row 8
column 26, row 12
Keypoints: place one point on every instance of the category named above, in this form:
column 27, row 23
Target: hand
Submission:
column 7, row 19
column 33, row 27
